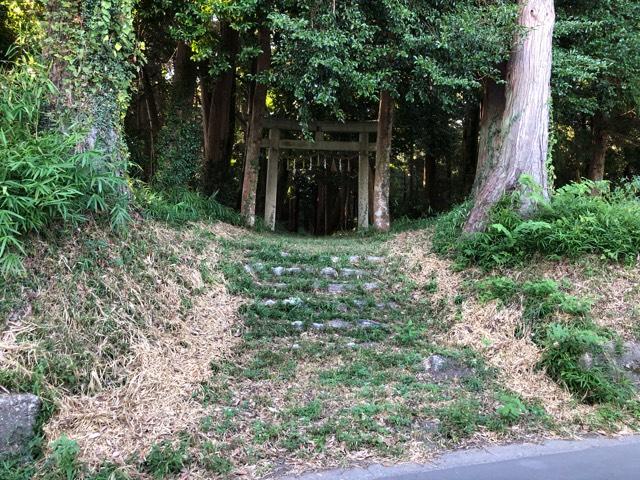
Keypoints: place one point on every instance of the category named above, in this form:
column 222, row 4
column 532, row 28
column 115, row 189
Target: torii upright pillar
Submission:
column 363, row 182
column 273, row 161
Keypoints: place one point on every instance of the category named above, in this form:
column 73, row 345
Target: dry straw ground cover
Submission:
column 169, row 315
column 490, row 328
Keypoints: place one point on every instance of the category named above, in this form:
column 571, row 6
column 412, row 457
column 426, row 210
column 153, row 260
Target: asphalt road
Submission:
column 590, row 459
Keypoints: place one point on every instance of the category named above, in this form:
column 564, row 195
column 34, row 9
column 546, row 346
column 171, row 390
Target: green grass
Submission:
column 305, row 387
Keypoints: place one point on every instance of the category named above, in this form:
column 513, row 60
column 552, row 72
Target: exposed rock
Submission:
column 440, row 367
column 295, row 346
column 371, row 286
column 293, row 301
column 373, row 259
column 18, row 415
column 269, row 303
column 368, row 324
column 278, row 271
column 338, row 324
column 285, row 254
column 338, row 288
column 354, row 259
column 351, row 272
column 626, row 358
column 293, row 270
column 360, row 303
column 298, row 325
column 335, row 259
column 248, row 269
column 329, row 272
column 317, row 326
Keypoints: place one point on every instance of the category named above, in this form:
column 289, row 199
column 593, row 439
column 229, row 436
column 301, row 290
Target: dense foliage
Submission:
column 581, row 218
column 43, row 176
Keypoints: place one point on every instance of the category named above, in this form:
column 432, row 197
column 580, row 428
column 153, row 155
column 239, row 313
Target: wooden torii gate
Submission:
column 274, row 143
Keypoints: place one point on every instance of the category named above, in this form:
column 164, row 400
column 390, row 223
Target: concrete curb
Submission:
column 477, row 457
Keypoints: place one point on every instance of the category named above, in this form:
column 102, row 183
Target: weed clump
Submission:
column 581, row 218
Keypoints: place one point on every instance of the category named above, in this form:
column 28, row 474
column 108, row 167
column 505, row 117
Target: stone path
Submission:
column 334, row 294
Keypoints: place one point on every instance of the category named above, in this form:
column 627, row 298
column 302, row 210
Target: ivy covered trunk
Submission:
column 600, row 145
column 521, row 148
column 381, row 220
column 254, row 134
column 218, row 109
column 89, row 46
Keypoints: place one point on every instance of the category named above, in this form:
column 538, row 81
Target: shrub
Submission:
column 43, row 177
column 564, row 348
column 164, row 459
column 581, row 218
column 180, row 205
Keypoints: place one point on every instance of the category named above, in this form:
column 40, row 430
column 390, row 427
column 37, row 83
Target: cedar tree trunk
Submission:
column 524, row 128
column 218, row 105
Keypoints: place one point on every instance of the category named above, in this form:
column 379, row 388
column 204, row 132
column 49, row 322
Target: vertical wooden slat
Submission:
column 363, row 182
column 272, row 179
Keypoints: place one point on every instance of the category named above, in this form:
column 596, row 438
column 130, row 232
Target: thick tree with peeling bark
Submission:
column 521, row 144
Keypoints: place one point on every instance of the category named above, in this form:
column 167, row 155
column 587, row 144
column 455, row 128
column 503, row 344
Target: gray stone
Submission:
column 373, row 259
column 337, row 288
column 293, row 301
column 298, row 325
column 354, row 259
column 441, row 367
column 343, row 308
column 295, row 346
column 368, row 324
column 18, row 415
column 371, row 286
column 339, row 324
column 329, row 272
column 248, row 269
column 293, row 270
column 270, row 303
column 351, row 345
column 360, row 303
column 351, row 272
column 278, row 271
column 625, row 358
column 335, row 259
column 285, row 254
column 317, row 326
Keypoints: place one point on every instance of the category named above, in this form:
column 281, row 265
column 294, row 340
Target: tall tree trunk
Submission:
column 524, row 129
column 381, row 220
column 471, row 130
column 600, row 145
column 254, row 136
column 492, row 108
column 184, row 81
column 93, row 98
column 218, row 103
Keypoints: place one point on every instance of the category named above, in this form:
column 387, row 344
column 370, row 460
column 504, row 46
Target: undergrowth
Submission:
column 581, row 218
column 559, row 324
column 43, row 176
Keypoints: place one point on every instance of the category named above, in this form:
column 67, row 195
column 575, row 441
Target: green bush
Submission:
column 564, row 348
column 43, row 177
column 581, row 218
column 181, row 205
